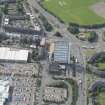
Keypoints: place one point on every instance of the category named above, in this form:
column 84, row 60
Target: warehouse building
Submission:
column 4, row 91
column 14, row 55
column 61, row 52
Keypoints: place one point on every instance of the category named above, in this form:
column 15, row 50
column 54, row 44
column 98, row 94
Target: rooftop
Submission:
column 12, row 54
column 4, row 91
column 62, row 52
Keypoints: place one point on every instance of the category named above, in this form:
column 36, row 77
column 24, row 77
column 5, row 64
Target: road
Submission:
column 76, row 44
column 62, row 29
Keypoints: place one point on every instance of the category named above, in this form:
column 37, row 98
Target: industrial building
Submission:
column 61, row 52
column 4, row 91
column 12, row 54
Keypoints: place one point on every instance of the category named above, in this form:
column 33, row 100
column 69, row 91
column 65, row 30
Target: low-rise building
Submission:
column 12, row 54
column 55, row 94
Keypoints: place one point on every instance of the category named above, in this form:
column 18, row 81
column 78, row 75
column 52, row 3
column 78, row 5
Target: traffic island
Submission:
column 96, row 64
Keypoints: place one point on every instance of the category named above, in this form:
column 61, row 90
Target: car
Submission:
column 76, row 60
column 85, row 47
column 80, row 81
column 92, row 47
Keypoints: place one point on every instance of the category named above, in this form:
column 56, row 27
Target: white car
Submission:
column 80, row 81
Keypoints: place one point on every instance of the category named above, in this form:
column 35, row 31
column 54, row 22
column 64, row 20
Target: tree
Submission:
column 73, row 29
column 5, row 9
column 58, row 34
column 35, row 54
column 46, row 24
column 19, row 6
column 3, row 36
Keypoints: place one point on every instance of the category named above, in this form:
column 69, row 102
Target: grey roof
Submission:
column 62, row 52
column 7, row 1
column 21, row 30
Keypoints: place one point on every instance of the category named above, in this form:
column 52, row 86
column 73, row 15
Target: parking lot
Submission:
column 19, row 69
column 23, row 91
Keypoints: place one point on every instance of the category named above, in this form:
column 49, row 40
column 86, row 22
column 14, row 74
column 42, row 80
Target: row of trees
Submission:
column 46, row 24
column 19, row 5
column 93, row 26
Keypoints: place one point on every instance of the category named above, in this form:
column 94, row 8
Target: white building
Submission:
column 4, row 91
column 12, row 54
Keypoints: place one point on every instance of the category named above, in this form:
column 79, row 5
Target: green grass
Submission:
column 89, row 52
column 101, row 98
column 87, row 35
column 101, row 66
column 77, row 11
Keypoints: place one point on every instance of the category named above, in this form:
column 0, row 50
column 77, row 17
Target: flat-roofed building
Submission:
column 4, row 91
column 12, row 54
column 55, row 94
column 62, row 52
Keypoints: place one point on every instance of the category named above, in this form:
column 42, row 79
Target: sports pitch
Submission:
column 77, row 11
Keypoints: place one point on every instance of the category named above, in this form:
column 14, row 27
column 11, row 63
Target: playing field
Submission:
column 77, row 11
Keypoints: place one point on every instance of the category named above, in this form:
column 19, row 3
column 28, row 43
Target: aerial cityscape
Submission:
column 52, row 52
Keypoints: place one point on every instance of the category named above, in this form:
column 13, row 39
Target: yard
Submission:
column 74, row 11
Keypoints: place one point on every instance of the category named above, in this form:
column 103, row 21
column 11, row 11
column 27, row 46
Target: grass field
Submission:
column 77, row 11
column 101, row 98
column 101, row 66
